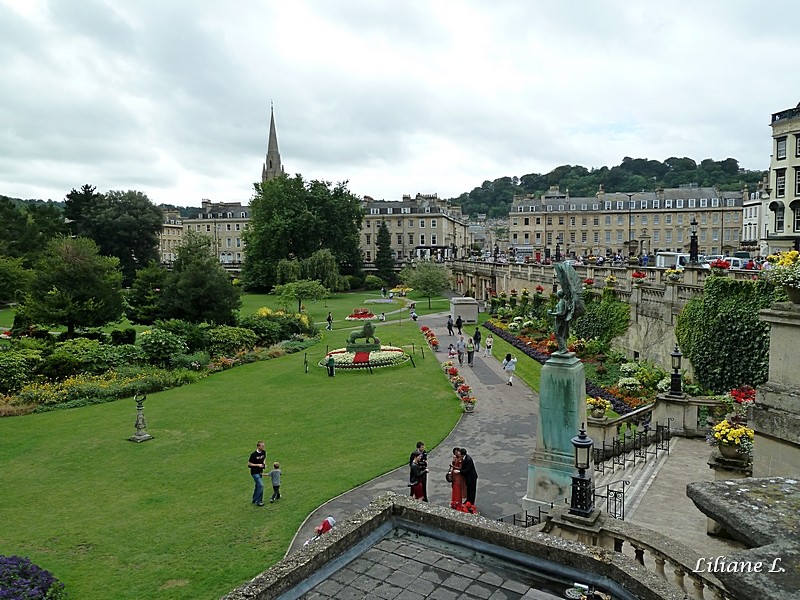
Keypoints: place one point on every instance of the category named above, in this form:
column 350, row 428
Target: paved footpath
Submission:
column 500, row 436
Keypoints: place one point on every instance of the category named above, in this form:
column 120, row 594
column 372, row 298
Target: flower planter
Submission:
column 468, row 407
column 793, row 293
column 731, row 452
column 598, row 413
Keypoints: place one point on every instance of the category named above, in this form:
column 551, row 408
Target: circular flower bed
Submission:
column 387, row 356
column 361, row 314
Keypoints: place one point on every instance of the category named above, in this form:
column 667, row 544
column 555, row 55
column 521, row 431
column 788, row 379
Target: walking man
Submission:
column 329, row 319
column 449, row 324
column 459, row 324
column 461, row 347
column 477, row 339
column 257, row 465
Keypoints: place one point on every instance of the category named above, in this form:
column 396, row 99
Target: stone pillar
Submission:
column 776, row 413
column 676, row 411
column 726, row 469
column 562, row 400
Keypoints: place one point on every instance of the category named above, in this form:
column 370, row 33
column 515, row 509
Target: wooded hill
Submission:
column 634, row 174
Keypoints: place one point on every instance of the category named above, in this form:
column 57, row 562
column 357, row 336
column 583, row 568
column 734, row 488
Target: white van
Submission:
column 736, row 263
column 677, row 260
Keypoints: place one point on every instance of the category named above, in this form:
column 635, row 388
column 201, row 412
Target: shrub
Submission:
column 225, row 340
column 354, row 281
column 195, row 335
column 17, row 367
column 160, row 345
column 267, row 330
column 123, row 336
column 80, row 355
column 192, row 362
column 20, row 579
column 276, row 352
column 373, row 282
column 603, row 320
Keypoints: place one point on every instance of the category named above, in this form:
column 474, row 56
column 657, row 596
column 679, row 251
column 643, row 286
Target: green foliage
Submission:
column 323, row 267
column 14, row 279
column 83, row 355
column 722, row 336
column 267, row 329
column 192, row 362
column 604, row 319
column 199, row 289
column 384, row 256
column 194, row 334
column 427, row 278
column 123, row 336
column 288, row 270
column 373, row 282
column 74, row 286
column 300, row 291
column 160, row 345
column 17, row 366
column 228, row 341
column 123, row 224
column 144, row 300
column 294, row 218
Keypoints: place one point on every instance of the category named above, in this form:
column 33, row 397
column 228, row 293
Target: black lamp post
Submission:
column 558, row 247
column 693, row 251
column 630, row 235
column 582, row 502
column 675, row 387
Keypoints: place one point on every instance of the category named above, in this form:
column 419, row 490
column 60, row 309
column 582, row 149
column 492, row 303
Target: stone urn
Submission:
column 598, row 413
column 468, row 407
column 793, row 293
column 730, row 452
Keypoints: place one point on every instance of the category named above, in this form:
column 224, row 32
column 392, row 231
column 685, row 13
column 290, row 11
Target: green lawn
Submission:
column 171, row 518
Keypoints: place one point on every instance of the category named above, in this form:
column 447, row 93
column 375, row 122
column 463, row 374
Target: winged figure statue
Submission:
column 570, row 303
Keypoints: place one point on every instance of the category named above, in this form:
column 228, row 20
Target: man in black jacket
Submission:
column 459, row 324
column 423, row 467
column 469, row 474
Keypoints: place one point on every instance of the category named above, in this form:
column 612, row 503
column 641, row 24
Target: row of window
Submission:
column 634, row 204
column 227, row 215
column 780, row 219
column 655, row 236
column 434, row 223
column 781, row 144
column 643, row 219
column 403, row 210
column 780, row 182
column 434, row 239
column 218, row 227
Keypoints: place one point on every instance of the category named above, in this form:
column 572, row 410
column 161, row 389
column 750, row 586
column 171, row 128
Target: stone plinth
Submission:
column 763, row 513
column 561, row 411
column 726, row 469
column 466, row 307
column 776, row 415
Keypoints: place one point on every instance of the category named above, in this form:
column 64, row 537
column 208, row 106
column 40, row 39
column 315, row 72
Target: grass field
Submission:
column 171, row 518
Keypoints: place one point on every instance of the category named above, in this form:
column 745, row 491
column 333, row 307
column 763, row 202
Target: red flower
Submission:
column 719, row 264
column 539, row 289
column 638, row 274
column 588, row 281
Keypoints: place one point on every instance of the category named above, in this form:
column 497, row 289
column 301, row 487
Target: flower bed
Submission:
column 387, row 356
column 361, row 314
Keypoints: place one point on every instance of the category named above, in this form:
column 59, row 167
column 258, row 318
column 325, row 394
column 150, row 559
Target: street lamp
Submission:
column 630, row 235
column 559, row 239
column 582, row 502
column 693, row 252
column 675, row 388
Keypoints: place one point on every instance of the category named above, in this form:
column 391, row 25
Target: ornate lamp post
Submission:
column 675, row 387
column 693, row 252
column 582, row 502
column 559, row 239
column 630, row 216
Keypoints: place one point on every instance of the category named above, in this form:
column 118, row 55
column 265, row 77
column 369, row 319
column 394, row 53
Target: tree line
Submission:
column 494, row 198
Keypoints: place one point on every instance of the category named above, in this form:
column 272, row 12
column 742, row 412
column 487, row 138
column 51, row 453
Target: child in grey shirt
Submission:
column 275, row 475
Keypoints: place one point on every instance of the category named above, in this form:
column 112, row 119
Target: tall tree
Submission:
column 292, row 218
column 145, row 300
column 384, row 259
column 74, row 285
column 14, row 279
column 123, row 224
column 322, row 266
column 200, row 289
column 299, row 291
column 427, row 278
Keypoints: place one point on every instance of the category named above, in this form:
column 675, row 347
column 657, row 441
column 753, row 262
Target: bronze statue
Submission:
column 570, row 303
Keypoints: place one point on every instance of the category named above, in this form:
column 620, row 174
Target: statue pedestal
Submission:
column 561, row 410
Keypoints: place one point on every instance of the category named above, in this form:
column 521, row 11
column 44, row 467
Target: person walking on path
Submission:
column 257, row 466
column 470, row 352
column 469, row 473
column 449, row 324
column 487, row 347
column 275, row 476
column 461, row 347
column 329, row 319
column 459, row 324
column 509, row 366
column 476, row 337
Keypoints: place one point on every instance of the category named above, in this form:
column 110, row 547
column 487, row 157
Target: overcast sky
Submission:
column 172, row 97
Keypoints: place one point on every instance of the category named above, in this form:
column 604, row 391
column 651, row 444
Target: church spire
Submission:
column 272, row 165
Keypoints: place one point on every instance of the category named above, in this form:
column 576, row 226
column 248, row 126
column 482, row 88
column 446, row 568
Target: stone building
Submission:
column 424, row 226
column 225, row 222
column 781, row 199
column 170, row 236
column 629, row 223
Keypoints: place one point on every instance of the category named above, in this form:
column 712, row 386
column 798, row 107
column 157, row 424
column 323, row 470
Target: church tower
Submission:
column 272, row 167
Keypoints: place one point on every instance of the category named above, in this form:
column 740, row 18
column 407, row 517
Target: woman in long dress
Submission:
column 459, row 489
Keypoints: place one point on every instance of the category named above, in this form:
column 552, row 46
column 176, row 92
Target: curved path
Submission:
column 499, row 435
